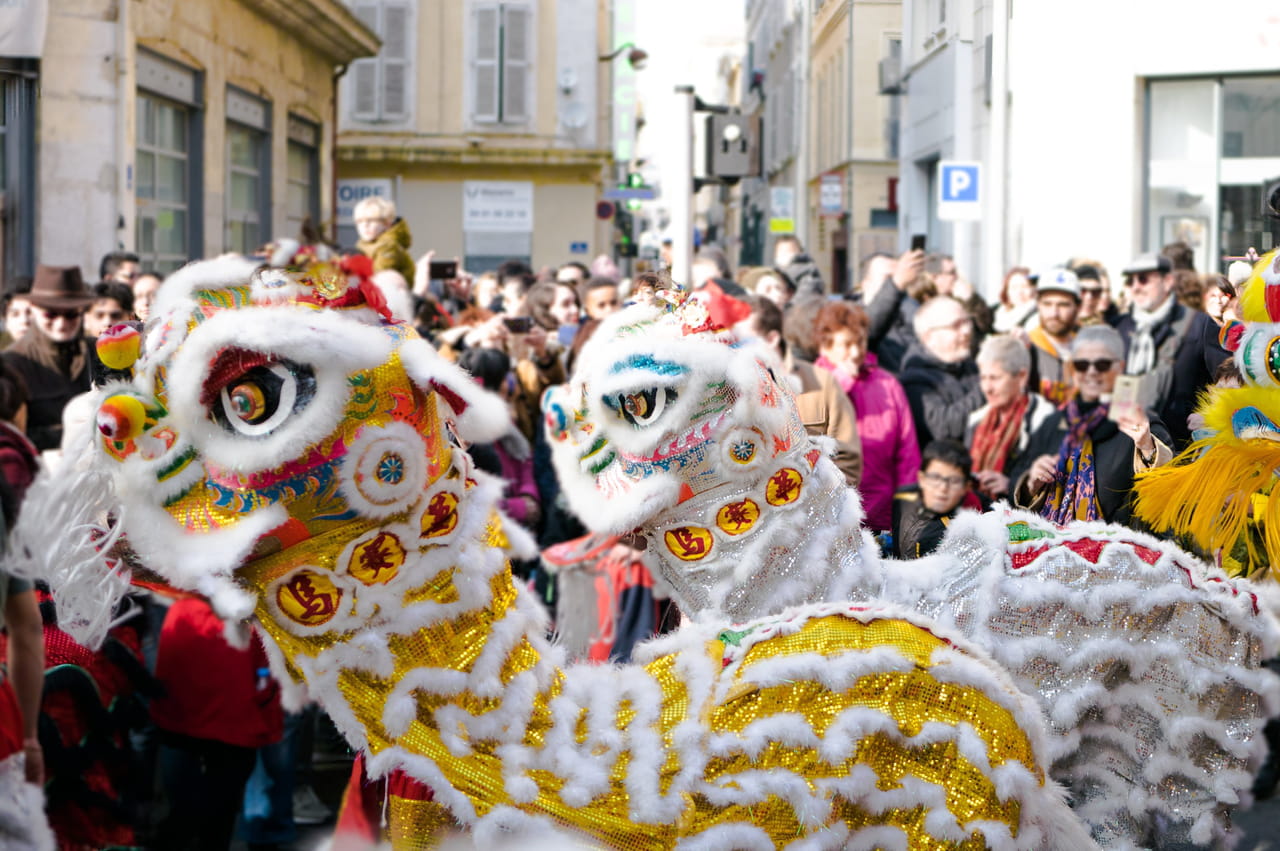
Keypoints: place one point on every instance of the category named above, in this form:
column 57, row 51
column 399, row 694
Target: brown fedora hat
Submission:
column 59, row 288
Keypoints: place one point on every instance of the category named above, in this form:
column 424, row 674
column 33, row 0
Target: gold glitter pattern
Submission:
column 910, row 698
column 423, row 649
column 416, row 824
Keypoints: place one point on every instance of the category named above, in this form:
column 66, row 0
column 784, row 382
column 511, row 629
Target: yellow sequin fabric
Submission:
column 415, row 825
column 383, row 585
column 905, row 701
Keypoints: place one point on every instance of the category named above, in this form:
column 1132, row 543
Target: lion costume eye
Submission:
column 642, row 407
column 261, row 398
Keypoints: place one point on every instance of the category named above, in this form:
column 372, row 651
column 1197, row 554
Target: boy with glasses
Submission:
column 1173, row 348
column 922, row 512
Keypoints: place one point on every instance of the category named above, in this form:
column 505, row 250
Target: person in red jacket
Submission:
column 220, row 705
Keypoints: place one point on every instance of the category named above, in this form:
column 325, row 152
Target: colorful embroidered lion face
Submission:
column 267, row 410
column 664, row 409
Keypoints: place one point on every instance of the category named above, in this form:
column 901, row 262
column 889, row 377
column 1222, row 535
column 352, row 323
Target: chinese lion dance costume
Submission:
column 279, row 446
column 1145, row 662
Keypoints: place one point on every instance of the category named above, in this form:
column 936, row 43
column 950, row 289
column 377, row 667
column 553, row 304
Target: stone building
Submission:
column 175, row 128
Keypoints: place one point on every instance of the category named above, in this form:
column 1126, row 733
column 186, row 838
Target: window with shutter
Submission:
column 395, row 61
column 516, row 55
column 364, row 72
column 486, row 77
column 381, row 87
column 502, row 59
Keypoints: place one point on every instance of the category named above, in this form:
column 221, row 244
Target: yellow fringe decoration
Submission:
column 1209, row 497
column 1252, row 296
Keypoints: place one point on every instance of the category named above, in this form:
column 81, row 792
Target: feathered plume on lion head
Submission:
column 1221, row 491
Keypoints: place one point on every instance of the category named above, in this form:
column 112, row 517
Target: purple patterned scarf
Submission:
column 1075, row 492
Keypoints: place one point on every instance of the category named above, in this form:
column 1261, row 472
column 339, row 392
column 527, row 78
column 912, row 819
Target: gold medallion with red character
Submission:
column 783, row 487
column 378, row 560
column 689, row 543
column 308, row 597
column 738, row 517
column 441, row 515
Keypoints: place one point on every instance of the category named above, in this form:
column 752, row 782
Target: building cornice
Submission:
column 327, row 26
column 410, row 152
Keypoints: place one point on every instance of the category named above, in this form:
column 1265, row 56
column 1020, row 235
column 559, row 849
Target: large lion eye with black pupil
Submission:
column 247, row 402
column 260, row 399
column 642, row 407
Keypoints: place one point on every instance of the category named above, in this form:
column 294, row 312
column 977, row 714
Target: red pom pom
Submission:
column 357, row 264
column 374, row 298
column 1230, row 333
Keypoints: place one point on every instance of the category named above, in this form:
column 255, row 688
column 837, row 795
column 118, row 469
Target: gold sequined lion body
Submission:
column 287, row 451
column 1146, row 663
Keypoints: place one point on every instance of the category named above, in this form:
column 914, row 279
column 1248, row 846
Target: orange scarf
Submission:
column 995, row 436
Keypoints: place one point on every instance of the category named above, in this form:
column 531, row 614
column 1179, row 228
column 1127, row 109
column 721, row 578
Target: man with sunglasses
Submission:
column 1096, row 307
column 1173, row 348
column 54, row 357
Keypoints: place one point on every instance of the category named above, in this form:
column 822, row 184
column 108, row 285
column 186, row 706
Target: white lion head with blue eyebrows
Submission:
column 663, row 408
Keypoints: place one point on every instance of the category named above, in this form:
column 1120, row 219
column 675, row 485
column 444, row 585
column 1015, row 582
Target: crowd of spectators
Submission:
column 934, row 400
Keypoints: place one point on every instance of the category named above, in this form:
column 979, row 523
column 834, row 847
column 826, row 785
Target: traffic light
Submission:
column 624, row 244
column 635, row 180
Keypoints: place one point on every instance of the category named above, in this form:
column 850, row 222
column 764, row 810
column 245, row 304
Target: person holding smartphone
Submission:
column 1080, row 463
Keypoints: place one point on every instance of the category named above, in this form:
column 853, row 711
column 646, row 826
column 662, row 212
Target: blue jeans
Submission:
column 267, row 815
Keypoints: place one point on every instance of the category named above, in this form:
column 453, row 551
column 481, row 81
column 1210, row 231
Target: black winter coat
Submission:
column 1187, row 356
column 1112, row 458
column 942, row 395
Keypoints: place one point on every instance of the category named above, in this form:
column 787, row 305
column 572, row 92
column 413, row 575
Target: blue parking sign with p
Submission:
column 959, row 182
column 959, row 191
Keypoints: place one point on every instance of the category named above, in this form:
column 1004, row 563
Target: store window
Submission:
column 19, row 81
column 303, row 179
column 1213, row 143
column 167, row 164
column 248, row 207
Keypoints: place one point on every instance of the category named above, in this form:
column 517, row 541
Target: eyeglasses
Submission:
column 941, row 480
column 1142, row 278
column 1101, row 365
column 1090, row 291
column 958, row 325
column 61, row 314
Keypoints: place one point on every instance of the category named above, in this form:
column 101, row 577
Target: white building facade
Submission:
column 1104, row 129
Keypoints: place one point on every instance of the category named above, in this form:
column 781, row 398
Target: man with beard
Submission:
column 1058, row 305
column 53, row 358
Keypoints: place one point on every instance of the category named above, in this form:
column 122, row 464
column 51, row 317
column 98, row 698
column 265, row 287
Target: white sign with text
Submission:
column 497, row 205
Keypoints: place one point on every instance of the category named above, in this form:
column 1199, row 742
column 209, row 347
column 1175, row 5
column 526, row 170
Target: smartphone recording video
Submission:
column 443, row 270
column 518, row 324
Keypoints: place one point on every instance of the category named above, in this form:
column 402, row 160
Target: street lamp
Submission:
column 635, row 56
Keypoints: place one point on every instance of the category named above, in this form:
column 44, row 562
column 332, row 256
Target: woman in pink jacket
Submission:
column 891, row 455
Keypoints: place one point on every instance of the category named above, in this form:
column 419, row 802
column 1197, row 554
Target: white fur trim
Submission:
column 281, row 333
column 485, row 416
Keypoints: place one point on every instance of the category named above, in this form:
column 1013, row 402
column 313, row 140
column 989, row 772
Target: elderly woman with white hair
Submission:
column 1080, row 462
column 999, row 432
